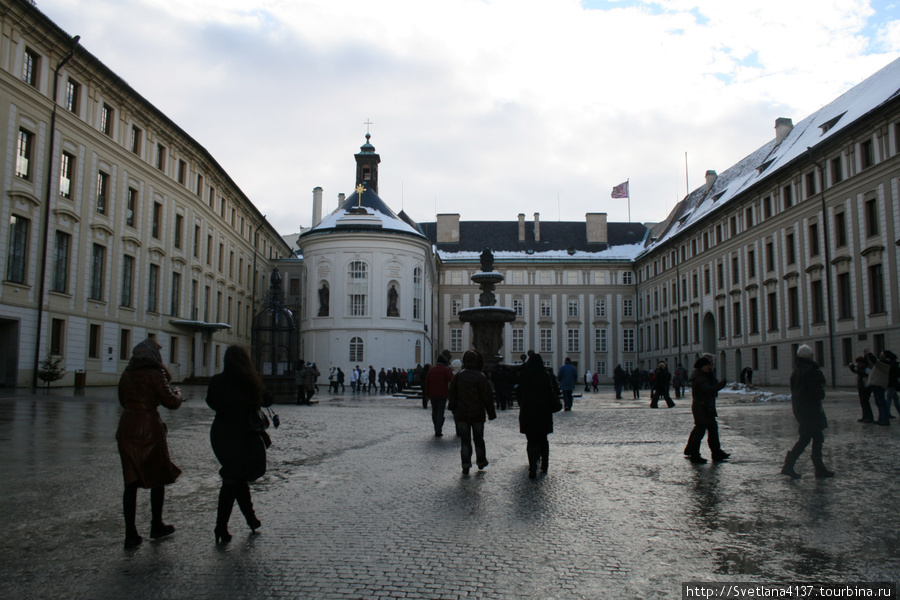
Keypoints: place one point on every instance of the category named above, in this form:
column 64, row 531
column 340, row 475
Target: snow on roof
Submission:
column 766, row 161
column 624, row 252
column 372, row 219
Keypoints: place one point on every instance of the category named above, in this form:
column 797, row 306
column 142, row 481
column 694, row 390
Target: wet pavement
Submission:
column 362, row 501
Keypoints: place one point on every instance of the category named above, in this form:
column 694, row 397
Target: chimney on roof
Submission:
column 317, row 206
column 448, row 229
column 537, row 227
column 597, row 231
column 711, row 177
column 783, row 127
column 521, row 227
column 341, row 198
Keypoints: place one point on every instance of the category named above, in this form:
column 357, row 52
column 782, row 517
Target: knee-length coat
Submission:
column 141, row 436
column 239, row 448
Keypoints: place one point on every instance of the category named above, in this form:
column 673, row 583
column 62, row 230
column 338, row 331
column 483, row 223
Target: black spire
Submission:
column 367, row 166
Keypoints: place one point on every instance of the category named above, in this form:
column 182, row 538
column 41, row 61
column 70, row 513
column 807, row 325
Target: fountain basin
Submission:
column 487, row 314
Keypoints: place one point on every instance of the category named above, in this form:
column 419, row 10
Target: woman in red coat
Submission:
column 142, row 437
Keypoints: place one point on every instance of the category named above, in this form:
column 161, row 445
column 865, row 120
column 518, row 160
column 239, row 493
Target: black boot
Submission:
column 129, row 508
column 158, row 529
column 788, row 469
column 223, row 515
column 821, row 471
column 242, row 495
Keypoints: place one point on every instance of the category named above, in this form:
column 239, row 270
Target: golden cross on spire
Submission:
column 359, row 192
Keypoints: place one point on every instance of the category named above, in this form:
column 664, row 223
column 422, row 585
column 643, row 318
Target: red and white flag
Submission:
column 620, row 191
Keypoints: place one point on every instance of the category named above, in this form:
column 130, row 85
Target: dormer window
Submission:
column 831, row 123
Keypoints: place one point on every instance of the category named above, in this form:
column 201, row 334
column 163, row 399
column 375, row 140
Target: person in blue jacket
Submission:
column 567, row 377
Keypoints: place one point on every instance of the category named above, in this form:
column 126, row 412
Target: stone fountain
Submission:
column 487, row 320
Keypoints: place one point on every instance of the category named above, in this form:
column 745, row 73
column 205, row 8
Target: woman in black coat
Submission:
column 537, row 403
column 704, row 389
column 238, row 436
column 807, row 393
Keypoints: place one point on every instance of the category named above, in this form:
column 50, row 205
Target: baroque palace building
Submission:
column 795, row 244
column 117, row 224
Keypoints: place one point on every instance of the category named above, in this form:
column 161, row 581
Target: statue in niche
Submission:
column 323, row 300
column 392, row 310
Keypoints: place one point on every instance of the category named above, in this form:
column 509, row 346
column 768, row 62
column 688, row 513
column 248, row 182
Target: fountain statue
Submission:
column 487, row 320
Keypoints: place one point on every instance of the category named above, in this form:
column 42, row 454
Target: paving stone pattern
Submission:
column 361, row 501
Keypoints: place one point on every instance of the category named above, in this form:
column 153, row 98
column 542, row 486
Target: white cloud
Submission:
column 483, row 107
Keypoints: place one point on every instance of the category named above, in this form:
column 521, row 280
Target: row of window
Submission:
column 72, row 102
column 549, row 277
column 545, row 340
column 793, row 310
column 811, row 243
column 546, row 307
column 358, row 293
column 785, row 198
column 16, row 263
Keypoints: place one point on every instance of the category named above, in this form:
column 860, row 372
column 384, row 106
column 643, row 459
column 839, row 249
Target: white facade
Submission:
column 357, row 328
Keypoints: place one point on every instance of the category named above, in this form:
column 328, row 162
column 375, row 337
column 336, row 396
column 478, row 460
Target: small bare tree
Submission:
column 51, row 369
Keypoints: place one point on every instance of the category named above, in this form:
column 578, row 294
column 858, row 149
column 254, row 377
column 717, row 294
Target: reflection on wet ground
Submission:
column 361, row 501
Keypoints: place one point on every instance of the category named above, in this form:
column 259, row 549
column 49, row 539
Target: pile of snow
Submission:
column 751, row 393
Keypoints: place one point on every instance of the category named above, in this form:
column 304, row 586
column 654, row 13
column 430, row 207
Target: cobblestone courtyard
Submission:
column 362, row 501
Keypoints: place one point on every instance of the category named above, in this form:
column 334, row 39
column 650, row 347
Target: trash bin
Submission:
column 80, row 378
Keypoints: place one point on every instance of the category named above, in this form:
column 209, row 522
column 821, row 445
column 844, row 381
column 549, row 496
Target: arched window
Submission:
column 417, row 293
column 357, row 289
column 356, row 350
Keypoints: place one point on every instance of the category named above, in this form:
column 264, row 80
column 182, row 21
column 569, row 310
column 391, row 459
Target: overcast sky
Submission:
column 486, row 108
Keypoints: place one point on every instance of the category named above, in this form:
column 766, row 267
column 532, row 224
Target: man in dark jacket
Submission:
column 704, row 389
column 807, row 393
column 437, row 384
column 470, row 399
column 619, row 378
column 661, row 386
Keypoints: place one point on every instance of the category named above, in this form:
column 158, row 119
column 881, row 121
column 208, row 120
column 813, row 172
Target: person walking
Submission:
column 861, row 368
column 340, row 380
column 373, row 377
column 310, row 377
column 587, row 381
column 679, row 380
column 237, row 436
column 636, row 382
column 537, row 403
column 619, row 379
column 661, row 382
column 879, row 379
column 300, row 380
column 704, row 389
column 890, row 394
column 141, row 437
column 807, row 393
column 566, row 378
column 332, row 380
column 470, row 399
column 437, row 388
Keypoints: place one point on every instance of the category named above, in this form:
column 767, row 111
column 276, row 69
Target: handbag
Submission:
column 555, row 403
column 258, row 422
column 276, row 421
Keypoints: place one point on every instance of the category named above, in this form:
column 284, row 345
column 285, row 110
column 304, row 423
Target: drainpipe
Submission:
column 828, row 284
column 46, row 224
